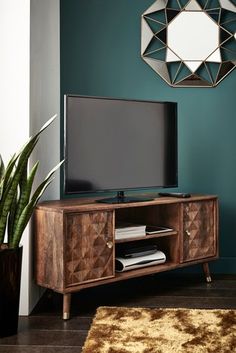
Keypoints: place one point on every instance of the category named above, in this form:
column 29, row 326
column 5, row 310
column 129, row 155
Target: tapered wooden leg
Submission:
column 207, row 272
column 66, row 306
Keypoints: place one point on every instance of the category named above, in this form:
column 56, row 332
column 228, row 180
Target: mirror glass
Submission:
column 190, row 42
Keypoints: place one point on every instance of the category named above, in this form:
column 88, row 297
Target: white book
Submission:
column 125, row 227
column 126, row 230
column 129, row 235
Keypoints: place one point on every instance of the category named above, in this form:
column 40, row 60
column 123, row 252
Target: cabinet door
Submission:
column 199, row 230
column 89, row 247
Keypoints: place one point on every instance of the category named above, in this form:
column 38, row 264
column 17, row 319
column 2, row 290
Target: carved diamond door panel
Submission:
column 199, row 231
column 89, row 250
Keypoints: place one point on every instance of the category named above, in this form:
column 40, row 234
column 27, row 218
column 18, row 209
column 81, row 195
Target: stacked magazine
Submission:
column 126, row 230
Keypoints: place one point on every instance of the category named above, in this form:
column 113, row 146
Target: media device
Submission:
column 182, row 195
column 137, row 251
column 125, row 264
column 119, row 145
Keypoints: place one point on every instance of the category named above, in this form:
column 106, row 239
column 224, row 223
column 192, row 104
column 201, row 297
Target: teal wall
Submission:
column 100, row 55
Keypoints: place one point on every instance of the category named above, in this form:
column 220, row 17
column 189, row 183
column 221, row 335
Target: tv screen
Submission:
column 117, row 144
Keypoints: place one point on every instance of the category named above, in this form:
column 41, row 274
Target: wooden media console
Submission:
column 75, row 245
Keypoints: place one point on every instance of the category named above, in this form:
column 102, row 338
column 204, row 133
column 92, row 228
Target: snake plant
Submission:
column 17, row 202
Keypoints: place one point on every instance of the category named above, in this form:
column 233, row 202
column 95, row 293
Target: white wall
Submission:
column 14, row 74
column 14, row 98
column 45, row 95
column 29, row 95
column 45, row 83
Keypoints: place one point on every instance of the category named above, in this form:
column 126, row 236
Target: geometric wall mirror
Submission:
column 190, row 43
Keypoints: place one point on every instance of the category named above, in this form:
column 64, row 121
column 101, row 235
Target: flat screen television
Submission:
column 119, row 145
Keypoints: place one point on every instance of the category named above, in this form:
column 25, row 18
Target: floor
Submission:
column 45, row 332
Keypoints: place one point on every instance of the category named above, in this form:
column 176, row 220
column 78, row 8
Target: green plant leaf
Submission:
column 6, row 177
column 46, row 124
column 25, row 191
column 29, row 208
column 11, row 187
column 26, row 214
column 2, row 170
column 11, row 219
column 14, row 210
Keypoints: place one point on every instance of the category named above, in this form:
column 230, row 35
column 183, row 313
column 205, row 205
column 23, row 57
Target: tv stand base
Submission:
column 67, row 297
column 121, row 198
column 76, row 247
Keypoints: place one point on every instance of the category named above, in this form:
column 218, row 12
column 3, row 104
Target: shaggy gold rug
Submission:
column 138, row 330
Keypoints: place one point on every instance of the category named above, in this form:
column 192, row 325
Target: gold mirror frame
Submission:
column 170, row 50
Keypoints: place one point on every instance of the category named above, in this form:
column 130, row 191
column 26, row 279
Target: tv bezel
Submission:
column 115, row 190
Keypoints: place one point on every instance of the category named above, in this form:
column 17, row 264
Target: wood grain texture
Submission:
column 48, row 249
column 90, row 204
column 75, row 246
column 87, row 254
column 199, row 230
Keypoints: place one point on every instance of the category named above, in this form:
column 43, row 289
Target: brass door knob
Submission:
column 188, row 232
column 109, row 244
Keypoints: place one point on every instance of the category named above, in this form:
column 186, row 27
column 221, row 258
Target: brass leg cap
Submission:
column 66, row 316
column 208, row 279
